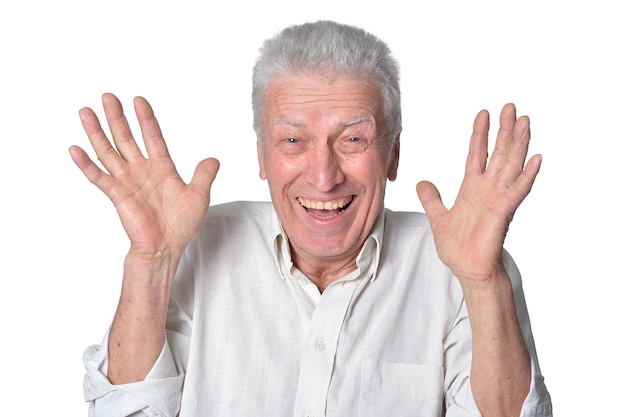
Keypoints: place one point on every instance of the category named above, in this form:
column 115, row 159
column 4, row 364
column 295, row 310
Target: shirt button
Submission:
column 308, row 415
column 320, row 345
column 154, row 411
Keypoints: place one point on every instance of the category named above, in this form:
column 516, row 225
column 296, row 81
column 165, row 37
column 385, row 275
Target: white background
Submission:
column 561, row 62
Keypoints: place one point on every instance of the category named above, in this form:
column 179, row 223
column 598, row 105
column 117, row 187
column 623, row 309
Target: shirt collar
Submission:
column 367, row 260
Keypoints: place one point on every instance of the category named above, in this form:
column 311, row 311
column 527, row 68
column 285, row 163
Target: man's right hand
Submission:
column 160, row 213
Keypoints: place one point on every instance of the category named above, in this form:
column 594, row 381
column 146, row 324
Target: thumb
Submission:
column 204, row 175
column 431, row 200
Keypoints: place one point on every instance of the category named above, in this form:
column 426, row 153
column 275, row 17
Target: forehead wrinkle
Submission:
column 345, row 123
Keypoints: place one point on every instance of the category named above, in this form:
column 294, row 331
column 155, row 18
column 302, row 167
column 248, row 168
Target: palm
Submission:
column 158, row 210
column 470, row 236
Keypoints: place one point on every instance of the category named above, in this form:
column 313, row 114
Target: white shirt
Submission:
column 249, row 335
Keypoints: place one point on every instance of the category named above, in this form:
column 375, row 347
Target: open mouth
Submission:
column 326, row 209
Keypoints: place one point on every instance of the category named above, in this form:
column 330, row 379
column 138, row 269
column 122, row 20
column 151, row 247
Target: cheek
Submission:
column 369, row 170
column 280, row 172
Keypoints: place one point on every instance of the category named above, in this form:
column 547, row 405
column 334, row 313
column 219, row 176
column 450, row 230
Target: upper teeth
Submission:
column 328, row 205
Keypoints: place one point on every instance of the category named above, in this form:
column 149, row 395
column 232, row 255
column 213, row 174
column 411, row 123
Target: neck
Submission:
column 324, row 272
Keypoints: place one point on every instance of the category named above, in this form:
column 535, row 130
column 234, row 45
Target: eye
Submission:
column 353, row 144
column 292, row 140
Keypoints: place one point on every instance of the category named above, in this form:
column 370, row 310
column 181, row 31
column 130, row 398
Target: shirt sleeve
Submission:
column 538, row 402
column 158, row 394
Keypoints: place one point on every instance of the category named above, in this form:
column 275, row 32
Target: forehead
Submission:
column 305, row 99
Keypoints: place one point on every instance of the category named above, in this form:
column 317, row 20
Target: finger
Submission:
column 477, row 156
column 107, row 154
column 120, row 129
column 500, row 154
column 203, row 177
column 93, row 173
column 431, row 201
column 524, row 182
column 517, row 152
column 150, row 130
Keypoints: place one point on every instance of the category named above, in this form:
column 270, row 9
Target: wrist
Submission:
column 150, row 275
column 154, row 260
column 488, row 279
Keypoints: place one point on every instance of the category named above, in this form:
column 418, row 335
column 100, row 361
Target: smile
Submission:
column 325, row 209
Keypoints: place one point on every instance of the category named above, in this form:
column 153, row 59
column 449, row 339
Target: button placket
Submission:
column 317, row 360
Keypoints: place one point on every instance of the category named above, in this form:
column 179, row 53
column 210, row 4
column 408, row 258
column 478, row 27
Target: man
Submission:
column 322, row 303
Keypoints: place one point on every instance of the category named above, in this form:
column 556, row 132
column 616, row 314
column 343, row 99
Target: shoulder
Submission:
column 409, row 262
column 404, row 219
column 241, row 209
column 238, row 221
column 408, row 241
column 240, row 214
column 407, row 226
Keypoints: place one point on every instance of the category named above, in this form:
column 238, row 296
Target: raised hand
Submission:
column 159, row 212
column 470, row 235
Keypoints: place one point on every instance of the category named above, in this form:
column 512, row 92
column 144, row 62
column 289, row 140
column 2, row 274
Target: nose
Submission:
column 323, row 170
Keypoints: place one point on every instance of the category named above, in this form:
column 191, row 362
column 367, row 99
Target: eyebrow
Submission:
column 349, row 122
column 291, row 122
column 357, row 120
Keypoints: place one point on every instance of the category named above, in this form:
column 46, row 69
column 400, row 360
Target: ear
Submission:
column 394, row 161
column 259, row 153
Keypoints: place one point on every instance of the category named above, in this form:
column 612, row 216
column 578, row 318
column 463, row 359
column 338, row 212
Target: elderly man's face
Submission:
column 326, row 155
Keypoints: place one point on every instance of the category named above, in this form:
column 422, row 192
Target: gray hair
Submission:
column 331, row 48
